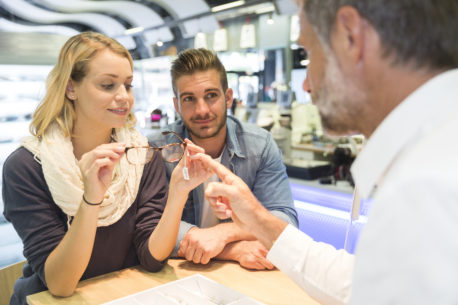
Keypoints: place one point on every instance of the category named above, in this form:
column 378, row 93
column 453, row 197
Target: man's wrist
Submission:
column 230, row 252
column 229, row 232
column 267, row 228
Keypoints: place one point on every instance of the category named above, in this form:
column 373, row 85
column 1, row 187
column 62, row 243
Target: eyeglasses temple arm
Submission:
column 172, row 132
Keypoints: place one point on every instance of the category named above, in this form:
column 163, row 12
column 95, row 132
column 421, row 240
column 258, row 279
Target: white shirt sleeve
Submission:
column 322, row 271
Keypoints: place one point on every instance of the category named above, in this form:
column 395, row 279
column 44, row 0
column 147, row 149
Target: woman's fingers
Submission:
column 113, row 151
column 192, row 148
column 97, row 168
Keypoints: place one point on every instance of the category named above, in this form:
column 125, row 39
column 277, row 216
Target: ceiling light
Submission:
column 305, row 62
column 268, row 8
column 159, row 43
column 134, row 30
column 226, row 6
column 270, row 20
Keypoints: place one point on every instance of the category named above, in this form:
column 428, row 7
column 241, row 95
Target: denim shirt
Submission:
column 252, row 154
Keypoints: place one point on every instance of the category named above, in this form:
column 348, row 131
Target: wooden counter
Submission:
column 270, row 287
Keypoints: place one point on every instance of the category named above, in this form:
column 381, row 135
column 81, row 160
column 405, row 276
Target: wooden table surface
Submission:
column 270, row 287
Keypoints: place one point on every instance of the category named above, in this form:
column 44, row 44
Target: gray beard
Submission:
column 340, row 101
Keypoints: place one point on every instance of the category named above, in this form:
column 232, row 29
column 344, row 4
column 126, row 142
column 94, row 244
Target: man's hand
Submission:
column 232, row 197
column 251, row 254
column 201, row 245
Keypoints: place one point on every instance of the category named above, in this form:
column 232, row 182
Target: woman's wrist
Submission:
column 92, row 203
column 177, row 194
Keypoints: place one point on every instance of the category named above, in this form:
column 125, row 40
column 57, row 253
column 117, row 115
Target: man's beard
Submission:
column 202, row 134
column 339, row 100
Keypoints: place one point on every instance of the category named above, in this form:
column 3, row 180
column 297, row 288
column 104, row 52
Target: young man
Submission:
column 386, row 69
column 202, row 98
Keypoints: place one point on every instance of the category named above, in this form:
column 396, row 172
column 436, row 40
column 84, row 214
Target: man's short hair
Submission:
column 418, row 32
column 191, row 61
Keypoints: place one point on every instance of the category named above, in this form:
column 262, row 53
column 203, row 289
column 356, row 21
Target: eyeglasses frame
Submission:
column 159, row 149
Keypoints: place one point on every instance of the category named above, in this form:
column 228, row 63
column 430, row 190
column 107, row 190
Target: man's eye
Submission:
column 188, row 99
column 212, row 95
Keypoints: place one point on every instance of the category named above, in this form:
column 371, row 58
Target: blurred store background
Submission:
column 256, row 41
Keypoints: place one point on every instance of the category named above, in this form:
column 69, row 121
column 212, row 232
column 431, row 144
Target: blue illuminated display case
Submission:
column 324, row 214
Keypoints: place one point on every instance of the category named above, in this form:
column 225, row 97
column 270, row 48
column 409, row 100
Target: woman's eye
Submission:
column 128, row 87
column 108, row 86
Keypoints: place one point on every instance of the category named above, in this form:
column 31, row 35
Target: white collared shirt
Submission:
column 408, row 250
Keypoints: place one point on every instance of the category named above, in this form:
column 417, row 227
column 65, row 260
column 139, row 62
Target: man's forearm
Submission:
column 229, row 253
column 232, row 232
column 266, row 227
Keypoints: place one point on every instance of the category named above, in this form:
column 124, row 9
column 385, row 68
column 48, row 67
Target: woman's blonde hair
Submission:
column 73, row 63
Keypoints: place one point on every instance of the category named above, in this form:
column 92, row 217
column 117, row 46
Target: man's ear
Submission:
column 229, row 98
column 348, row 35
column 70, row 92
column 176, row 103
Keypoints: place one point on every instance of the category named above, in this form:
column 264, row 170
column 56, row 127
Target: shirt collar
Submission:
column 415, row 116
column 232, row 141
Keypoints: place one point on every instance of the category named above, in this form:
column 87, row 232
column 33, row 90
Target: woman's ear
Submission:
column 70, row 91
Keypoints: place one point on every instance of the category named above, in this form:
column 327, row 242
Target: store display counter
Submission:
column 324, row 212
column 269, row 287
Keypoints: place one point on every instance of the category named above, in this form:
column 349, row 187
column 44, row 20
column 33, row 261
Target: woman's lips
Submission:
column 119, row 111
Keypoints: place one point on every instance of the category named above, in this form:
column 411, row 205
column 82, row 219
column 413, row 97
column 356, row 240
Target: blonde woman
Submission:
column 80, row 204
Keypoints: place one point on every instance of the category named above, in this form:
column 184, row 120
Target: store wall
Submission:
column 30, row 48
column 268, row 36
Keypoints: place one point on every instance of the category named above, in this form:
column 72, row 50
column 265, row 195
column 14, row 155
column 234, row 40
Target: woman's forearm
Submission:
column 68, row 261
column 163, row 239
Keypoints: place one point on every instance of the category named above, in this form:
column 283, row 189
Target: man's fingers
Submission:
column 183, row 248
column 205, row 258
column 258, row 266
column 219, row 204
column 220, row 190
column 189, row 255
column 196, row 258
column 266, row 263
column 220, row 170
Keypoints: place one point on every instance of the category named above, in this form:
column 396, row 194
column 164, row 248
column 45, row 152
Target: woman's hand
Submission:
column 97, row 169
column 197, row 173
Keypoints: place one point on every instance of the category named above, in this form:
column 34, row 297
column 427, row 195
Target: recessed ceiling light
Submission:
column 226, row 6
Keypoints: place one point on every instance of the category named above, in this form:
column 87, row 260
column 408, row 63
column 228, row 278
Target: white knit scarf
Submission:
column 64, row 179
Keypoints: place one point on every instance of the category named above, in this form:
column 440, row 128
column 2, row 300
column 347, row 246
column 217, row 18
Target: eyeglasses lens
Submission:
column 173, row 152
column 139, row 155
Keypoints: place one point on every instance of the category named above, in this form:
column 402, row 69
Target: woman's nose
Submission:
column 122, row 93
